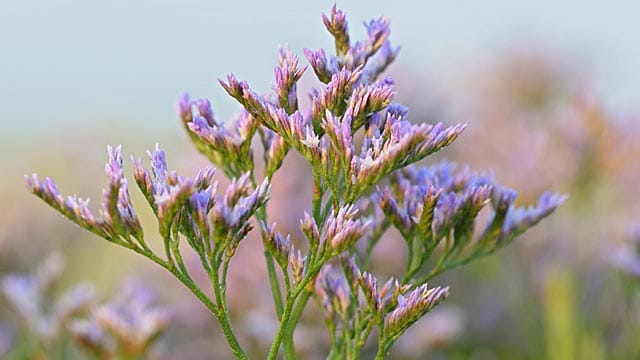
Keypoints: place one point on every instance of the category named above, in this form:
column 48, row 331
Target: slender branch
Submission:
column 382, row 340
column 292, row 296
column 298, row 310
column 261, row 216
column 224, row 318
column 215, row 310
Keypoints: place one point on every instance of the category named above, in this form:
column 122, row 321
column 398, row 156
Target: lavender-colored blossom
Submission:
column 118, row 212
column 351, row 270
column 172, row 200
column 342, row 229
column 201, row 202
column 333, row 292
column 377, row 35
column 368, row 99
column 356, row 55
column 287, row 74
column 324, row 68
column 384, row 299
column 390, row 292
column 205, row 111
column 183, row 108
column 226, row 146
column 310, row 230
column 298, row 264
column 117, row 219
column 395, row 146
column 502, row 197
column 295, row 130
column 369, row 285
column 413, row 306
column 277, row 244
column 92, row 337
column 159, row 168
column 336, row 23
column 398, row 215
column 430, row 204
column 253, row 103
column 232, row 211
column 275, row 149
column 379, row 62
column 74, row 301
column 331, row 96
column 520, row 219
column 22, row 292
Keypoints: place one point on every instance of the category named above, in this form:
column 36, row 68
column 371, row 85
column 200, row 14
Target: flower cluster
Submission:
column 437, row 207
column 355, row 139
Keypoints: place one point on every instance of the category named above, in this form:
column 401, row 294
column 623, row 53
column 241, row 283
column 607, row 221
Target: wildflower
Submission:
column 359, row 191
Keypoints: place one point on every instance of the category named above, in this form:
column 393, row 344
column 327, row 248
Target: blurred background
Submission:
column 549, row 89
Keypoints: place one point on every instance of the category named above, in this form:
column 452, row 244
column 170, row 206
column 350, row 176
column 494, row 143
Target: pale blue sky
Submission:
column 69, row 61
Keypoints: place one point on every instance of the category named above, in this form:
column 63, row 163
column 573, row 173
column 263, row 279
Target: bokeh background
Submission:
column 549, row 89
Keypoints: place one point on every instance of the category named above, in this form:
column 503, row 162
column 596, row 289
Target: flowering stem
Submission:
column 362, row 340
column 284, row 320
column 225, row 321
column 261, row 216
column 382, row 340
column 409, row 266
column 273, row 281
column 292, row 296
column 221, row 316
column 289, row 348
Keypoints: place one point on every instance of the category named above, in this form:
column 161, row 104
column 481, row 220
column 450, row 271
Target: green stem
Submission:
column 222, row 318
column 382, row 341
column 261, row 216
column 274, row 283
column 410, row 254
column 292, row 296
column 286, row 314
column 362, row 340
column 289, row 346
column 219, row 291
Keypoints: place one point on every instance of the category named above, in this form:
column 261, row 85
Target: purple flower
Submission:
column 336, row 23
column 323, row 68
column 520, row 219
column 287, row 75
column 342, row 229
column 279, row 245
column 333, row 292
column 413, row 306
